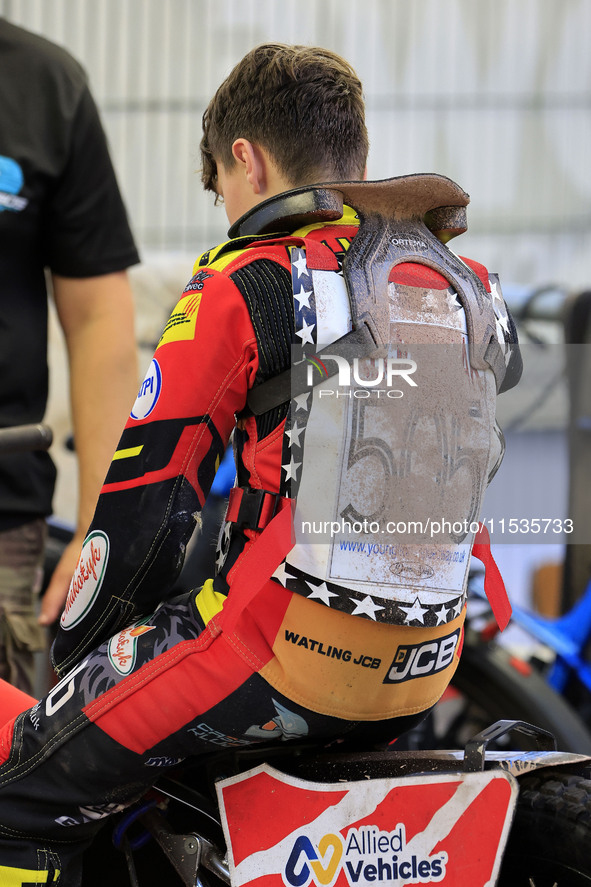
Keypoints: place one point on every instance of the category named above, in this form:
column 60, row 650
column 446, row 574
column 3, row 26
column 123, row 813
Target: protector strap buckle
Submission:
column 252, row 509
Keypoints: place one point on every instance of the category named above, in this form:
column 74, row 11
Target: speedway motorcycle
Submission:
column 299, row 816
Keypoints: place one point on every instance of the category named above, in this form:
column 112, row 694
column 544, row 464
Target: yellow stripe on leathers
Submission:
column 11, row 877
column 126, row 454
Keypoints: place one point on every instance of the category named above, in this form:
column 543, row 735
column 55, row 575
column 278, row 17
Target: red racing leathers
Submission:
column 156, row 677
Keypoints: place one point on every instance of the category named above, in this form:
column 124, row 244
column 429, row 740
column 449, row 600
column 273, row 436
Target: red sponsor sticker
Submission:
column 87, row 580
column 123, row 647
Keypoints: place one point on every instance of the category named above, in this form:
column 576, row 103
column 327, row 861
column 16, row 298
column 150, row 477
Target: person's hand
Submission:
column 52, row 602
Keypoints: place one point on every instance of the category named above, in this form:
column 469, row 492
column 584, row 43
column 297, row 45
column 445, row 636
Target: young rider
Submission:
column 273, row 646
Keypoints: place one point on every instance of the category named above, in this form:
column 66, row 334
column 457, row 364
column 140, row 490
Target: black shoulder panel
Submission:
column 267, row 290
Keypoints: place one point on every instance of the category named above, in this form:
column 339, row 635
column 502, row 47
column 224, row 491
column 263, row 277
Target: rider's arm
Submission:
column 96, row 315
column 163, row 466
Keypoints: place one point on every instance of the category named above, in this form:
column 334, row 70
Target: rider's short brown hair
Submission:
column 304, row 105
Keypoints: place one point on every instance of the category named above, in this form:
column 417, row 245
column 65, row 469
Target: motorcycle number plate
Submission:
column 449, row 829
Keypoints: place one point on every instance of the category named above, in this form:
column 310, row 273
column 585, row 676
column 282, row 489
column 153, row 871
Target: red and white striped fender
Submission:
column 447, row 829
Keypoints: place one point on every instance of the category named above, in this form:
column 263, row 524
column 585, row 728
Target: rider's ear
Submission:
column 252, row 159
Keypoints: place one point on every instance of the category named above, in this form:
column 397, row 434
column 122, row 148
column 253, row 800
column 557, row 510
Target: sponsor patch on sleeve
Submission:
column 183, row 320
column 149, row 392
column 87, row 580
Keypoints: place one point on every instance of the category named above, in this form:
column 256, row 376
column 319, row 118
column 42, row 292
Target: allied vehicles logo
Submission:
column 366, row 855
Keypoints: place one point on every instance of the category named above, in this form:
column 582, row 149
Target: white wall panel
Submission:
column 494, row 93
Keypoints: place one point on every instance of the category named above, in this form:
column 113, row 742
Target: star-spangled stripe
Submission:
column 304, row 301
column 501, row 317
column 368, row 606
column 304, row 308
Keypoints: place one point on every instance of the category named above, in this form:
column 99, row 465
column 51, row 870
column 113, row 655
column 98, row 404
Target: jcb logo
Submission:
column 420, row 660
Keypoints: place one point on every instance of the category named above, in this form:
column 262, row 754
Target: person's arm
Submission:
column 163, row 468
column 97, row 317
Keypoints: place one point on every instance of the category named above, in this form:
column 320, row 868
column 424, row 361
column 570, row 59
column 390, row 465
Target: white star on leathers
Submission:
column 291, row 470
column 301, row 264
column 441, row 615
column 303, row 297
column 281, row 574
column 305, row 333
column 294, row 435
column 457, row 608
column 496, row 295
column 301, row 401
column 503, row 322
column 415, row 612
column 321, row 592
column 366, row 607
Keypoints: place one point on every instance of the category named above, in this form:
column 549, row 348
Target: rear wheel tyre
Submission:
column 550, row 840
column 492, row 687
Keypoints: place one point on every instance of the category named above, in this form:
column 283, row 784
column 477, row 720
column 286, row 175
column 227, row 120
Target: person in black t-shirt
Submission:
column 60, row 210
